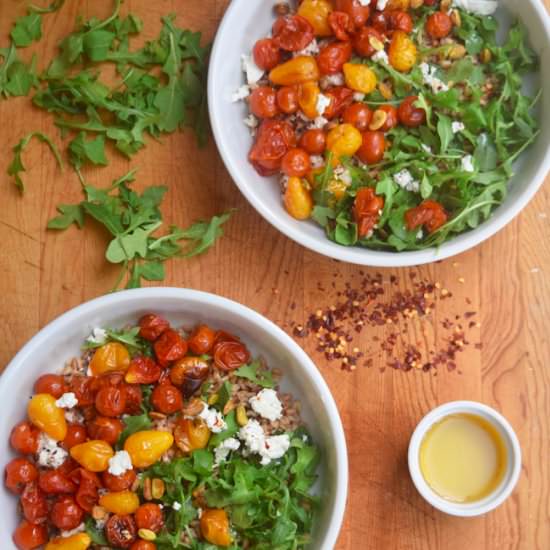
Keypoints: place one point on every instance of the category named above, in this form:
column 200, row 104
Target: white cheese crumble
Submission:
column 274, row 447
column 428, row 75
column 467, row 163
column 480, row 7
column 240, row 93
column 67, row 401
column 98, row 336
column 49, row 453
column 100, row 523
column 75, row 531
column 331, row 80
column 311, row 49
column 120, row 463
column 318, row 123
column 420, row 235
column 406, row 181
column 176, row 506
column 380, row 5
column 221, row 452
column 214, row 419
column 253, row 436
column 343, row 174
column 457, row 127
column 358, row 96
column 317, row 161
column 381, row 57
column 427, row 148
column 74, row 416
column 252, row 71
column 322, row 104
column 269, row 448
column 267, row 404
column 251, row 121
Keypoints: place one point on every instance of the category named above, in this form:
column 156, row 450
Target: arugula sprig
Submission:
column 132, row 219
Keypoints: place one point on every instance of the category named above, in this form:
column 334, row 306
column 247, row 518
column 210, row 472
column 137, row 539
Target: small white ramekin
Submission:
column 501, row 493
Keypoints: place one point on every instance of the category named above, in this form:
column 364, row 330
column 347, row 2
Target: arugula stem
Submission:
column 109, row 20
column 120, row 277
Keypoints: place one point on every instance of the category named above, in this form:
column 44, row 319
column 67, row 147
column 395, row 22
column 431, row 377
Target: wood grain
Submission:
column 44, row 274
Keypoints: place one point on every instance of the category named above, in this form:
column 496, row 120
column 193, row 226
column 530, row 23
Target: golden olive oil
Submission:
column 463, row 458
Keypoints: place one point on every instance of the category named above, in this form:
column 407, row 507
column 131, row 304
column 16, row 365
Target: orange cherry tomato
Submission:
column 409, row 115
column 229, row 356
column 215, row 527
column 341, row 25
column 392, row 118
column 169, row 347
column 121, row 531
column 167, row 399
column 340, row 97
column 142, row 370
column 76, row 434
column 201, row 339
column 93, row 455
column 332, row 57
column 273, row 139
column 189, row 374
column 190, row 435
column 296, row 163
column 28, row 536
column 111, row 357
column 263, row 102
column 267, row 54
column 366, row 210
column 152, row 326
column 24, row 438
column 44, row 413
column 143, row 545
column 149, row 516
column 429, row 213
column 314, row 141
column 110, row 401
column 106, row 429
column 439, row 25
column 123, row 482
column 34, row 504
column 54, row 482
column 362, row 41
column 292, row 33
column 359, row 115
column 372, row 148
column 287, row 99
column 356, row 11
column 18, row 473
column 54, row 384
column 400, row 21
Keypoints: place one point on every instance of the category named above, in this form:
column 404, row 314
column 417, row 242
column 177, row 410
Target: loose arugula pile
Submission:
column 495, row 134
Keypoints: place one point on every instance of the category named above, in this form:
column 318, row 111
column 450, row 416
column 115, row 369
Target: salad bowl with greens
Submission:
column 419, row 156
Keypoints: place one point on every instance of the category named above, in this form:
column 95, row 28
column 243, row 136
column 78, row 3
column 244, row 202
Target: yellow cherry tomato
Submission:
column 307, row 98
column 215, row 527
column 297, row 199
column 317, row 12
column 359, row 78
column 298, row 70
column 93, row 455
column 80, row 541
column 191, row 434
column 402, row 53
column 121, row 503
column 110, row 358
column 46, row 415
column 146, row 447
column 344, row 140
column 337, row 188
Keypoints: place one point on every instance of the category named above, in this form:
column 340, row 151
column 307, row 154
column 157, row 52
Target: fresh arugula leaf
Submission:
column 69, row 214
column 27, row 30
column 232, row 429
column 96, row 533
column 224, row 395
column 203, row 461
column 82, row 150
column 445, row 132
column 257, row 373
column 132, row 425
column 53, row 7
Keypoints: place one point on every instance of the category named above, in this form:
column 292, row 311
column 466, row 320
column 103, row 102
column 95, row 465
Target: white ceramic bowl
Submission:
column 61, row 340
column 245, row 22
column 501, row 493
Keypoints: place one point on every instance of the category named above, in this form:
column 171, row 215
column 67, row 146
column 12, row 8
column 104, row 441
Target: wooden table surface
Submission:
column 43, row 274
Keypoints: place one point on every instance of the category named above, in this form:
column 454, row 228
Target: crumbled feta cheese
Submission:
column 358, row 96
column 251, row 121
column 98, row 336
column 323, row 102
column 74, row 416
column 75, row 531
column 428, row 75
column 468, row 164
column 67, row 401
column 267, row 404
column 214, row 419
column 342, row 174
column 240, row 93
column 329, row 80
column 252, row 71
column 426, row 148
column 381, row 57
column 120, row 463
column 311, row 49
column 457, row 127
column 274, row 447
column 420, row 235
column 269, row 448
column 317, row 161
column 222, row 451
column 253, row 436
column 406, row 181
column 49, row 453
column 319, row 123
column 176, row 506
column 480, row 7
column 380, row 5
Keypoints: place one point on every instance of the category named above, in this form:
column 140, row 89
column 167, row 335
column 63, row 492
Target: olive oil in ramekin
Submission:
column 463, row 458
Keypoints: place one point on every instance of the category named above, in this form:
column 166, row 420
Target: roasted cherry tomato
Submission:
column 332, row 57
column 167, row 399
column 190, row 435
column 391, row 117
column 273, row 139
column 359, row 115
column 292, row 33
column 215, row 527
column 229, row 356
column 372, row 148
column 314, row 141
column 54, row 384
column 410, row 115
column 66, row 514
column 379, row 20
column 263, row 102
column 24, row 438
column 402, row 53
column 88, row 483
column 134, row 398
column 287, row 99
column 201, row 339
column 54, row 482
column 18, row 473
column 296, row 163
column 340, row 97
column 366, row 210
column 85, row 389
column 169, row 347
column 266, row 54
column 28, row 536
column 94, row 455
column 123, row 482
column 107, row 429
column 341, row 25
column 111, row 401
column 430, row 214
column 149, row 516
column 34, row 503
column 189, row 374
column 152, row 326
column 111, row 357
column 76, row 434
column 44, row 413
column 121, row 531
column 142, row 370
column 439, row 25
column 400, row 21
column 364, row 40
column 358, row 13
column 143, row 545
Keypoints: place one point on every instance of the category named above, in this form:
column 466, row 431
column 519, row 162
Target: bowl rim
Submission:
column 509, row 482
column 194, row 296
column 356, row 255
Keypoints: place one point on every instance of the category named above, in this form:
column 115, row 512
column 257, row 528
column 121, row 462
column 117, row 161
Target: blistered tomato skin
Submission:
column 358, row 13
column 34, row 504
column 372, row 147
column 307, row 99
column 54, row 482
column 410, row 115
column 230, row 356
column 54, row 384
column 273, row 140
column 46, row 415
column 190, row 435
column 401, row 21
column 358, row 115
column 106, row 429
column 317, row 12
column 28, row 536
column 364, row 40
column 343, row 140
column 66, row 514
column 214, row 525
column 201, row 340
column 341, row 25
column 148, row 446
column 429, row 213
column 111, row 357
column 149, row 516
column 332, row 57
column 93, row 455
column 297, row 70
column 169, row 347
column 402, row 53
column 110, row 401
column 76, row 434
column 366, row 210
column 152, row 326
column 24, row 438
column 292, row 33
column 439, row 25
column 79, row 541
column 121, row 531
column 188, row 374
column 118, row 483
column 134, row 398
column 143, row 545
column 267, row 54
column 263, row 102
column 18, row 473
column 167, row 399
column 340, row 98
column 392, row 117
column 85, row 389
column 296, row 163
column 87, row 495
column 314, row 141
column 142, row 370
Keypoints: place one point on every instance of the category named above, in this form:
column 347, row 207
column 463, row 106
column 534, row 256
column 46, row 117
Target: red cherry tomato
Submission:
column 400, row 21
column 34, row 503
column 121, row 531
column 76, row 434
column 362, row 41
column 123, row 482
column 273, row 140
column 85, row 389
column 372, row 148
column 391, row 119
column 314, row 141
column 379, row 20
column 332, row 57
column 296, row 163
column 409, row 115
column 107, row 429
column 169, row 347
column 142, row 370
column 366, row 210
column 24, row 438
column 143, row 545
column 54, row 384
column 134, row 398
column 152, row 326
column 18, row 473
column 263, row 102
column 87, row 495
column 357, row 12
column 341, row 97
column 54, row 482
column 287, row 99
column 430, row 214
column 439, row 25
column 66, row 514
column 341, row 24
column 167, row 399
column 358, row 115
column 229, row 356
column 111, row 401
column 267, row 54
column 149, row 516
column 292, row 33
column 28, row 536
column 201, row 340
